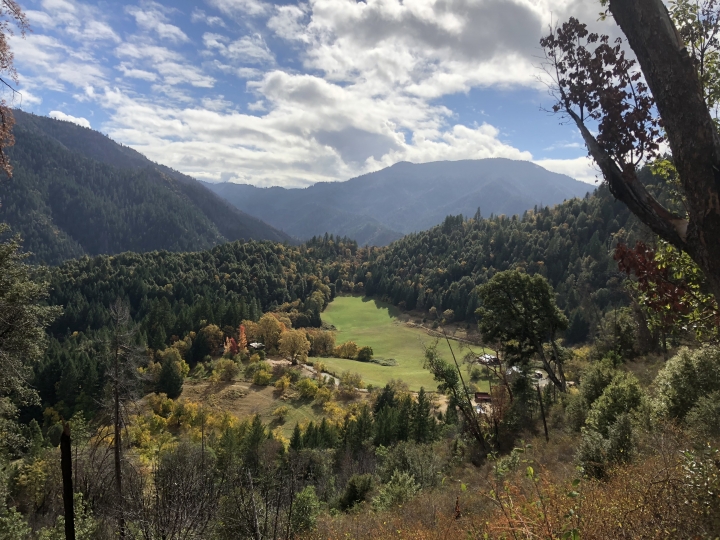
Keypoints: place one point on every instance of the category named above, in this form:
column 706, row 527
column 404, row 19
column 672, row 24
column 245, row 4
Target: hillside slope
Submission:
column 380, row 207
column 76, row 192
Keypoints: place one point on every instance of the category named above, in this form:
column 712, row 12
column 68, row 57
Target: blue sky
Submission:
column 295, row 93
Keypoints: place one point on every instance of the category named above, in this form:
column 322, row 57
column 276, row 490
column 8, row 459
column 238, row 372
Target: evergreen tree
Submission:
column 296, row 442
column 170, row 380
column 23, row 320
column 423, row 423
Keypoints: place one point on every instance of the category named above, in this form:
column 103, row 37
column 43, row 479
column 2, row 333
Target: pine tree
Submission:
column 296, row 442
column 170, row 381
column 423, row 422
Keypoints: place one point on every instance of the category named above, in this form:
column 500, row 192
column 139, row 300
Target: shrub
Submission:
column 400, row 489
column 322, row 342
column 306, row 508
column 262, row 378
column 592, row 453
column 225, row 370
column 704, row 418
column 687, row 377
column 576, row 410
column 253, row 368
column 350, row 381
column 347, row 350
column 281, row 412
column 283, row 383
column 621, row 444
column 356, row 491
column 421, row 461
column 365, row 354
column 595, row 379
column 622, row 395
column 307, row 387
column 323, row 395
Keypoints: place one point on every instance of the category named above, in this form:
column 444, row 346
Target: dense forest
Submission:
column 570, row 244
column 66, row 205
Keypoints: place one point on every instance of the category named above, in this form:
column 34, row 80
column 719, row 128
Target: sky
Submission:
column 295, row 93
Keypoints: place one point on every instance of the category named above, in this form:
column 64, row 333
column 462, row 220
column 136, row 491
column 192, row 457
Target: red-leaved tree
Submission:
column 634, row 106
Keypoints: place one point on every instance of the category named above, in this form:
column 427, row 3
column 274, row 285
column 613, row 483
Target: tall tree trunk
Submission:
column 118, row 460
column 67, row 478
column 672, row 77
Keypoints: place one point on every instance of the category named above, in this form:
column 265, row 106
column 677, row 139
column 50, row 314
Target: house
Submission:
column 257, row 346
column 482, row 397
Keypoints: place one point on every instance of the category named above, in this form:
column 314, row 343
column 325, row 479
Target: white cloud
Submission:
column 237, row 8
column 153, row 19
column 582, row 168
column 137, row 73
column 59, row 115
column 355, row 87
column 247, row 50
column 198, row 15
column 169, row 64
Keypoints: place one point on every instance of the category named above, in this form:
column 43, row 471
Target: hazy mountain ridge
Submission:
column 76, row 192
column 380, row 207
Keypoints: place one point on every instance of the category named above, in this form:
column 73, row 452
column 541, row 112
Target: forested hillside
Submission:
column 570, row 244
column 380, row 207
column 65, row 205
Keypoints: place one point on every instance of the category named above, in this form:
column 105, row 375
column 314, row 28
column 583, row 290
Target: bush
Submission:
column 365, row 354
column 281, row 412
column 687, row 377
column 622, row 395
column 307, row 387
column 356, row 491
column 621, row 444
column 576, row 410
column 253, row 368
column 703, row 420
column 592, row 453
column 225, row 370
column 421, row 461
column 347, row 350
column 400, row 489
column 323, row 395
column 306, row 508
column 262, row 378
column 595, row 379
column 283, row 383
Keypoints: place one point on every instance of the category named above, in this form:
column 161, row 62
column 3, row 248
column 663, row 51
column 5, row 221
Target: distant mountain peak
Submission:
column 379, row 207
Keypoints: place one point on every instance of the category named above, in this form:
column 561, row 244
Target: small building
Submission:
column 257, row 346
column 482, row 397
column 488, row 360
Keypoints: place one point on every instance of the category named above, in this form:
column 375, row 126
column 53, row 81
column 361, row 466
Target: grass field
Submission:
column 374, row 323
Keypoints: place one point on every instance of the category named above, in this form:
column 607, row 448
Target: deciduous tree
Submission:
column 519, row 313
column 294, row 345
column 601, row 90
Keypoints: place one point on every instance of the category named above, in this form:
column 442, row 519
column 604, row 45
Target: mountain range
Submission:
column 380, row 207
column 76, row 192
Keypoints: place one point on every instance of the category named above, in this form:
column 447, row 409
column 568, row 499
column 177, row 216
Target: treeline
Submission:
column 570, row 244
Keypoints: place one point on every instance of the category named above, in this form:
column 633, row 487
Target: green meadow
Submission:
column 371, row 322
